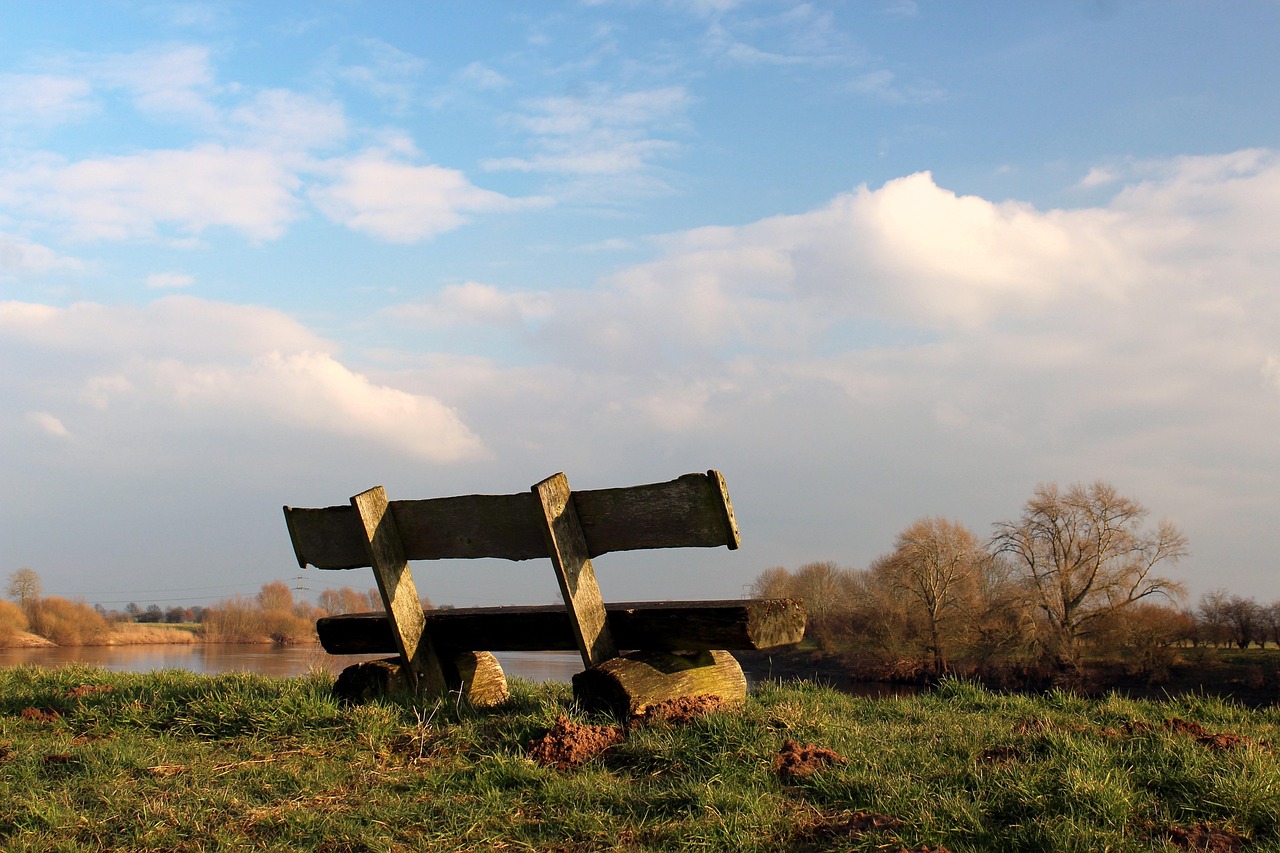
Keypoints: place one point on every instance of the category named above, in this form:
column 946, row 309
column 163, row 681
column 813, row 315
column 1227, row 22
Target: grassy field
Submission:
column 91, row 760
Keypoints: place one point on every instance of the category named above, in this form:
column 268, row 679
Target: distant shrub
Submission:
column 234, row 620
column 12, row 620
column 67, row 623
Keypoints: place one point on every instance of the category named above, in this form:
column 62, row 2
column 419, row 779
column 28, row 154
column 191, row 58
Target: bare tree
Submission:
column 1085, row 555
column 1211, row 614
column 934, row 564
column 24, row 587
column 1246, row 621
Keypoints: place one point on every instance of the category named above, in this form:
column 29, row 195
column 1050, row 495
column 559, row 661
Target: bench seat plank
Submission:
column 656, row 625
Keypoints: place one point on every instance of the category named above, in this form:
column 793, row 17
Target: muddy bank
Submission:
column 1253, row 683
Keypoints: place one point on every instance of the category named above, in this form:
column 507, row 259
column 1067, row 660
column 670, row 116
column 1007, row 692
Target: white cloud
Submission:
column 174, row 80
column 601, row 133
column 475, row 303
column 19, row 258
column 43, row 99
column 400, row 202
column 166, row 280
column 246, row 190
column 279, row 119
column 48, row 424
column 183, row 366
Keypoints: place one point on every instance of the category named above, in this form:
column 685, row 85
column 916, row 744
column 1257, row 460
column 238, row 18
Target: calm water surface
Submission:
column 275, row 661
column 290, row 661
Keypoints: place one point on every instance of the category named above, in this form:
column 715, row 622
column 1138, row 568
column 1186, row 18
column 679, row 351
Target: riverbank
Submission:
column 91, row 760
column 1249, row 676
column 136, row 635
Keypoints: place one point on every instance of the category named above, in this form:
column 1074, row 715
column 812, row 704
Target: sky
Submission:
column 872, row 261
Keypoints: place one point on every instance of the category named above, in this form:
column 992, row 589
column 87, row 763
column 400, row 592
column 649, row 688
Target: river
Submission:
column 291, row 661
column 275, row 661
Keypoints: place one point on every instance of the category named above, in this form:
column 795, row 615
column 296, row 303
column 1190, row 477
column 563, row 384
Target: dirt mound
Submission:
column 795, row 761
column 821, row 831
column 571, row 744
column 38, row 715
column 1203, row 836
column 684, row 709
column 1213, row 740
column 89, row 690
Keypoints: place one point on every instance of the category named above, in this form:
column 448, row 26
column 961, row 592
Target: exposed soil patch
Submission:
column 796, row 761
column 58, row 758
column 1204, row 737
column 89, row 690
column 1001, row 755
column 1203, row 836
column 571, row 744
column 39, row 715
column 684, row 709
column 1213, row 740
column 820, row 831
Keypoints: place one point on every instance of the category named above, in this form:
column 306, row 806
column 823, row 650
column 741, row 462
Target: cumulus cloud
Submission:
column 182, row 364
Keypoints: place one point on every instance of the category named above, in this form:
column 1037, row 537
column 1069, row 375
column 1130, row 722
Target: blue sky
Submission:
column 873, row 261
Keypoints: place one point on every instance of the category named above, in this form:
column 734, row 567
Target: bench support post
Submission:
column 572, row 563
column 419, row 662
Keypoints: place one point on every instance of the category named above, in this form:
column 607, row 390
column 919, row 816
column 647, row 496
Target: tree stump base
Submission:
column 483, row 682
column 626, row 685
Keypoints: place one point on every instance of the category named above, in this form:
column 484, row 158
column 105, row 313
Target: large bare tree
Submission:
column 23, row 587
column 934, row 563
column 1084, row 554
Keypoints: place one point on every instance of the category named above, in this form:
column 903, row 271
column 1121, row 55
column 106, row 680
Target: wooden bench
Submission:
column 677, row 648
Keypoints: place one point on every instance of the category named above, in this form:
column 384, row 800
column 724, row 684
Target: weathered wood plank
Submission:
column 692, row 511
column 567, row 548
column 657, row 625
column 399, row 595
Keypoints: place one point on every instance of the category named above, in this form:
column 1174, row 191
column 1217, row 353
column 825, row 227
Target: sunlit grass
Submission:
column 176, row 761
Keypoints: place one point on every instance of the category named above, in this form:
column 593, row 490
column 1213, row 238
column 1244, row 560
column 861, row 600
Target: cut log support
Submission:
column 627, row 685
column 483, row 682
column 661, row 626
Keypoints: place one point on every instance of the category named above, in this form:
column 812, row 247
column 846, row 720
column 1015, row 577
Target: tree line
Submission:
column 1078, row 574
column 274, row 614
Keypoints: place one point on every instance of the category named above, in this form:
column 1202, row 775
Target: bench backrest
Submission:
column 692, row 511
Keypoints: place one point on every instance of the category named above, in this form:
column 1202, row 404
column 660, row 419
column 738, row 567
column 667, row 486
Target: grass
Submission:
column 176, row 761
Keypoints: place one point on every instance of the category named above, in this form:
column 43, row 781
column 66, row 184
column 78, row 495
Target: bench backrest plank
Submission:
column 692, row 511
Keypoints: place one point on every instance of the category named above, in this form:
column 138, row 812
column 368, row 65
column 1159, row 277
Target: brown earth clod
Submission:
column 1203, row 836
column 40, row 715
column 796, row 761
column 1212, row 740
column 678, row 711
column 568, row 744
column 89, row 690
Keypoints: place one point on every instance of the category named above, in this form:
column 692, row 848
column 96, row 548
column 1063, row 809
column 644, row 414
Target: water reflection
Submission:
column 275, row 661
